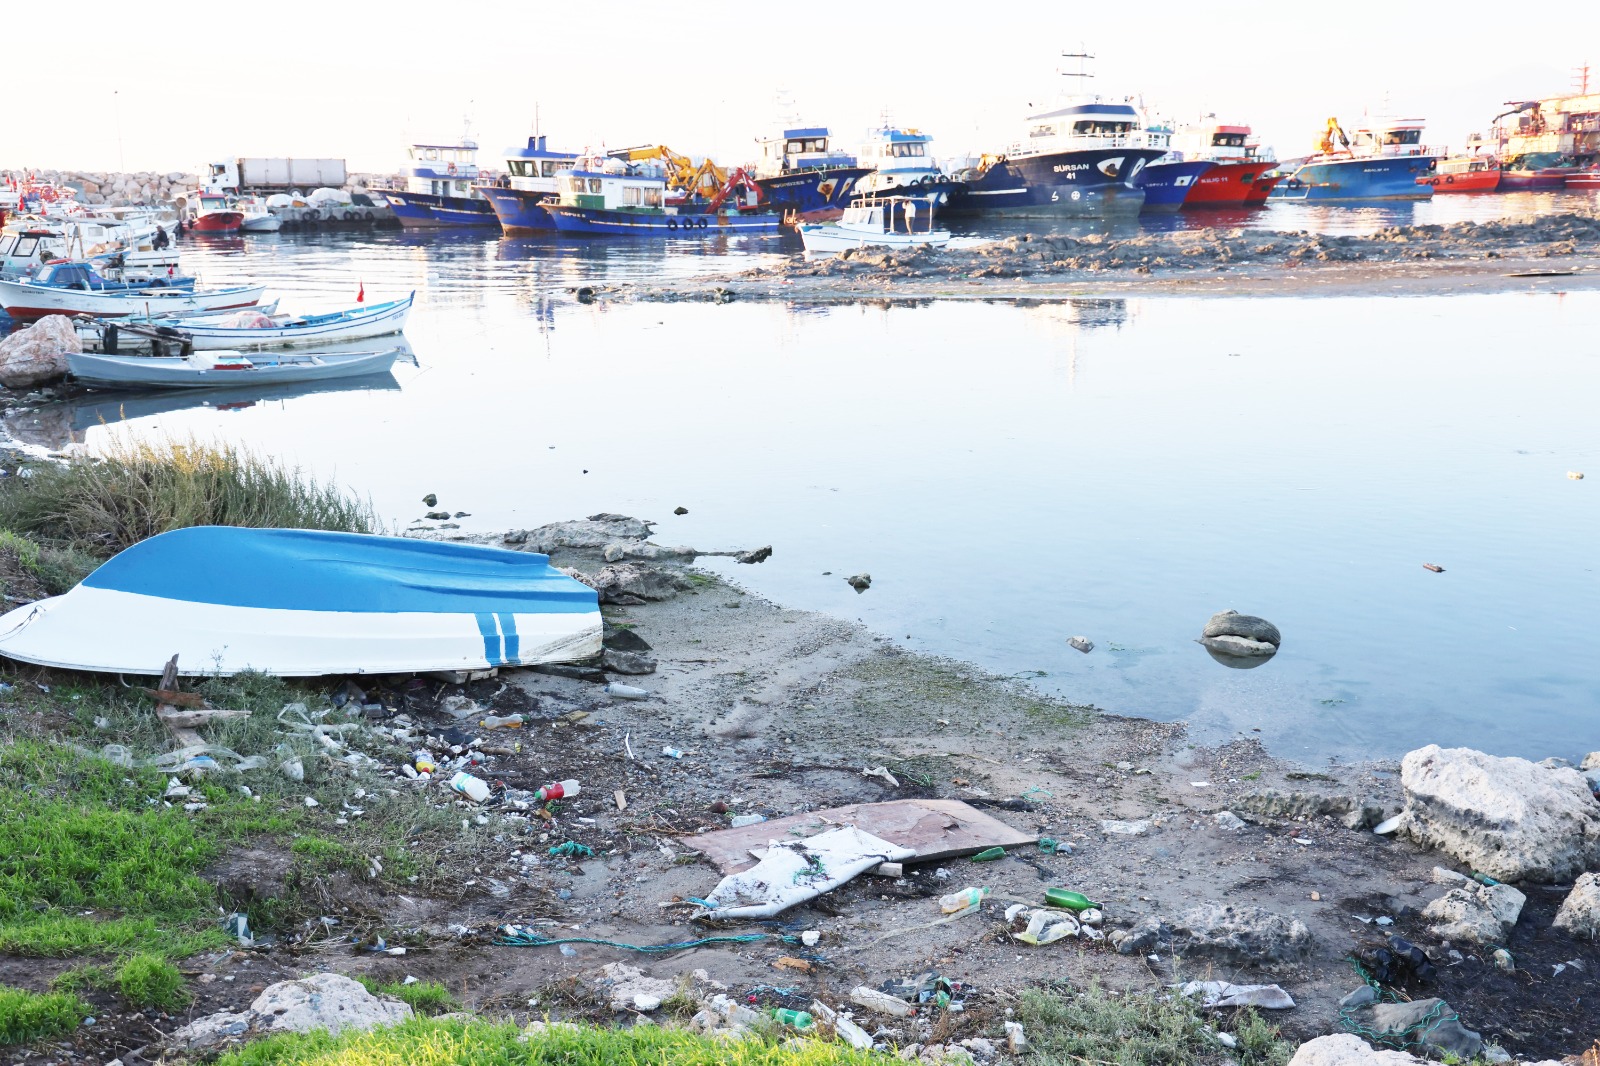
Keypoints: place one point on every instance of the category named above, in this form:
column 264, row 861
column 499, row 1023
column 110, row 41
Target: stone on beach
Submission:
column 322, row 1001
column 630, row 584
column 596, row 531
column 1234, row 933
column 1483, row 914
column 1580, row 911
column 38, row 354
column 1507, row 817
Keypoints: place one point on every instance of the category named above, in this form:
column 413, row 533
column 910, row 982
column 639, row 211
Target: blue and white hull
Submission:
column 1378, row 178
column 520, row 211
column 811, row 195
column 1081, row 183
column 300, row 603
column 652, row 223
column 1167, row 185
column 422, row 210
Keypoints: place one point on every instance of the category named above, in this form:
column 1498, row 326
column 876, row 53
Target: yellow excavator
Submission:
column 705, row 180
column 1325, row 146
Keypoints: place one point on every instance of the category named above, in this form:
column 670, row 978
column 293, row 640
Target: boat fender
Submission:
column 367, row 215
column 313, row 214
column 349, row 216
column 1449, row 179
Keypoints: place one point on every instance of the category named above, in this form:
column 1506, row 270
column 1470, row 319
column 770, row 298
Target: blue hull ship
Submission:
column 647, row 223
column 421, row 210
column 533, row 178
column 1392, row 178
column 812, row 194
column 439, row 190
column 1084, row 183
column 519, row 210
column 1167, row 185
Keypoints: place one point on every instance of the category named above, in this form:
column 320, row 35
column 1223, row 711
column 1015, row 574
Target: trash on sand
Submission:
column 895, row 870
column 508, row 721
column 474, row 788
column 852, row 1034
column 739, row 821
column 883, row 772
column 797, row 1019
column 1575, row 475
column 1016, row 1040
column 787, row 962
column 989, row 855
column 1043, row 926
column 1435, row 567
column 793, row 871
column 423, row 761
column 810, row 937
column 459, row 707
column 1083, row 644
column 880, row 1002
column 1118, row 827
column 297, row 602
column 1504, row 959
column 968, row 899
column 1388, row 826
column 935, row 829
column 560, row 790
column 672, row 753
column 1223, row 994
column 237, row 925
column 621, row 799
column 572, row 850
column 1064, row 897
column 624, row 692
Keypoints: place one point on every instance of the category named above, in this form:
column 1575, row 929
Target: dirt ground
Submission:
column 777, row 712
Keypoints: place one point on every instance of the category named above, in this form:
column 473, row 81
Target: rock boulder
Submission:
column 322, row 1001
column 1509, row 818
column 1483, row 914
column 1580, row 912
column 596, row 531
column 1426, row 1023
column 38, row 354
column 630, row 584
column 1237, row 934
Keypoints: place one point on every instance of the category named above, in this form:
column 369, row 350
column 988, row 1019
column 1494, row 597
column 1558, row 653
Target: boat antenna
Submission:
column 1080, row 72
column 1580, row 79
column 536, row 118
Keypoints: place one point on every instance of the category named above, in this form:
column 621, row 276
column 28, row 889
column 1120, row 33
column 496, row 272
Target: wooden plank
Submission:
column 936, row 829
column 191, row 719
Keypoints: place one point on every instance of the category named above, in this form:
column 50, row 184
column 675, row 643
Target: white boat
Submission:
column 211, row 370
column 26, row 243
column 877, row 222
column 898, row 158
column 26, row 298
column 297, row 603
column 257, row 219
column 223, row 333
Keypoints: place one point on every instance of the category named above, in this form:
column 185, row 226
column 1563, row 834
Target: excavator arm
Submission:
column 1334, row 130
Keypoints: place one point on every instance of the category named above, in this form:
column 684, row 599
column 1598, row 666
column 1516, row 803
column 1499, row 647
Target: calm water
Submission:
column 1012, row 476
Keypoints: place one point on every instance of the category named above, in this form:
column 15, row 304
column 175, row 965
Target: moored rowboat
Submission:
column 210, row 370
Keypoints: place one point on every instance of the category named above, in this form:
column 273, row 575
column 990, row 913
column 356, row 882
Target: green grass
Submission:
column 135, row 489
column 29, row 1016
column 55, row 569
column 424, row 1042
column 1068, row 1026
column 151, row 981
column 425, row 997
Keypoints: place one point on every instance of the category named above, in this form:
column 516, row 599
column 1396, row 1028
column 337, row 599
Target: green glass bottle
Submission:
column 799, row 1019
column 1072, row 901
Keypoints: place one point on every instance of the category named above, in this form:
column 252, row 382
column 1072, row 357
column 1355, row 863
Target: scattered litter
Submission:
column 1070, row 900
column 797, row 1019
column 1436, row 568
column 963, row 902
column 624, row 692
column 1504, row 959
column 1575, row 475
column 1391, row 825
column 880, row 1002
column 1016, row 1040
column 573, row 850
column 739, row 821
column 1384, row 920
column 1223, row 994
column 237, row 925
column 797, row 870
column 1304, row 841
column 810, row 937
column 310, row 802
column 989, row 855
column 787, row 962
column 672, row 753
column 621, row 799
column 474, row 788
column 459, row 707
column 524, row 936
column 1130, row 829
column 562, row 790
column 888, row 869
column 1041, row 926
column 883, row 772
column 509, row 721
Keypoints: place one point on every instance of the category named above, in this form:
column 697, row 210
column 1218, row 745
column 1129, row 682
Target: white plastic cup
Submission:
column 625, row 692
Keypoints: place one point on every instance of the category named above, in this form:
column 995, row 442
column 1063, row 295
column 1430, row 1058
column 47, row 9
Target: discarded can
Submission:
column 990, row 855
column 1072, row 901
column 672, row 753
column 558, row 790
column 624, row 692
column 964, row 900
column 799, row 1019
column 474, row 788
column 509, row 721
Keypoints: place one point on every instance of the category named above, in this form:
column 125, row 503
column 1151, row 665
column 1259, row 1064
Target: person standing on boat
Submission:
column 911, row 213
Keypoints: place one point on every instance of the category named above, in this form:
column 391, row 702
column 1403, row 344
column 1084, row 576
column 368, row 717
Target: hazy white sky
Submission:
column 361, row 81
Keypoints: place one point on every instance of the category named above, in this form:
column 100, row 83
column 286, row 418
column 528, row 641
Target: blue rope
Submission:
column 521, row 937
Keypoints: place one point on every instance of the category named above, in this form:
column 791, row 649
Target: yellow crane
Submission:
column 1328, row 135
column 705, row 180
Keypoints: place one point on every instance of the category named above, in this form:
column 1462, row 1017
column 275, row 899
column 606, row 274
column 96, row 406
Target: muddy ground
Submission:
column 777, row 712
column 1551, row 253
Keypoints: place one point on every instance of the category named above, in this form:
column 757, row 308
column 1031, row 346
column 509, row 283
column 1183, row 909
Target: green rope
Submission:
column 1411, row 1036
column 521, row 937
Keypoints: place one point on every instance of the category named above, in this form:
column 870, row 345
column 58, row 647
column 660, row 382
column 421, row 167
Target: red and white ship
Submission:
column 1465, row 173
column 1240, row 177
column 210, row 212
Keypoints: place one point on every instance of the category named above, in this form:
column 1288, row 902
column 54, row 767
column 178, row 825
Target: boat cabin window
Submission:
column 517, row 167
column 1227, row 140
column 812, row 144
column 907, row 151
column 595, row 185
column 632, row 196
column 432, row 155
column 552, row 167
column 464, row 188
column 1402, row 137
column 573, row 184
column 1101, row 128
column 25, row 246
column 1042, row 131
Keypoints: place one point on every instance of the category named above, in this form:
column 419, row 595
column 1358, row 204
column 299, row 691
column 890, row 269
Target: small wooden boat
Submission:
column 264, row 330
column 35, row 298
column 209, row 370
column 876, row 221
column 1478, row 173
column 299, row 603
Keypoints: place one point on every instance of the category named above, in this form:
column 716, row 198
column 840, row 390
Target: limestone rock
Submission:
column 625, row 985
column 631, row 584
column 1245, row 626
column 596, row 531
column 1591, row 761
column 626, row 652
column 1580, row 912
column 1483, row 914
column 38, row 354
column 641, row 550
column 1275, row 804
column 212, row 1031
column 1238, row 934
column 1508, row 817
column 323, row 1001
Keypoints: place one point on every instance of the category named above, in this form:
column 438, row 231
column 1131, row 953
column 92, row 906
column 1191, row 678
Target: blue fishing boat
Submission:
column 1383, row 161
column 297, row 603
column 535, row 173
column 439, row 190
column 606, row 195
column 899, row 160
column 1082, row 160
column 799, row 175
column 1168, row 181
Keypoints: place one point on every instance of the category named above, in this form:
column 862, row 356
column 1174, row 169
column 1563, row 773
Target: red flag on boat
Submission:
column 361, row 293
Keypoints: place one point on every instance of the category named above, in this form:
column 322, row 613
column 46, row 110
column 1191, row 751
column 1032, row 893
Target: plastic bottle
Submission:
column 1072, row 901
column 559, row 790
column 966, row 899
column 474, row 788
column 624, row 692
column 797, row 1018
column 423, row 761
column 509, row 721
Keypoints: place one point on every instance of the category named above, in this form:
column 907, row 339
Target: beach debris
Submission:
column 937, row 829
column 1223, row 994
column 1580, row 911
column 1016, row 1038
column 672, row 753
column 881, row 1002
column 1239, row 641
column 739, row 821
column 1083, row 644
column 794, row 871
column 860, row 582
column 617, row 690
column 963, row 902
column 1427, row 1024
column 1435, row 567
column 883, row 772
column 1509, row 818
column 1040, row 926
column 1119, row 827
column 1575, row 475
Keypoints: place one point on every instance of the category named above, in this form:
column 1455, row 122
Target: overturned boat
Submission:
column 305, row 603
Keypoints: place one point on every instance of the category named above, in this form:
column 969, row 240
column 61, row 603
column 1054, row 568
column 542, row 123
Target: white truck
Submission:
column 276, row 174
